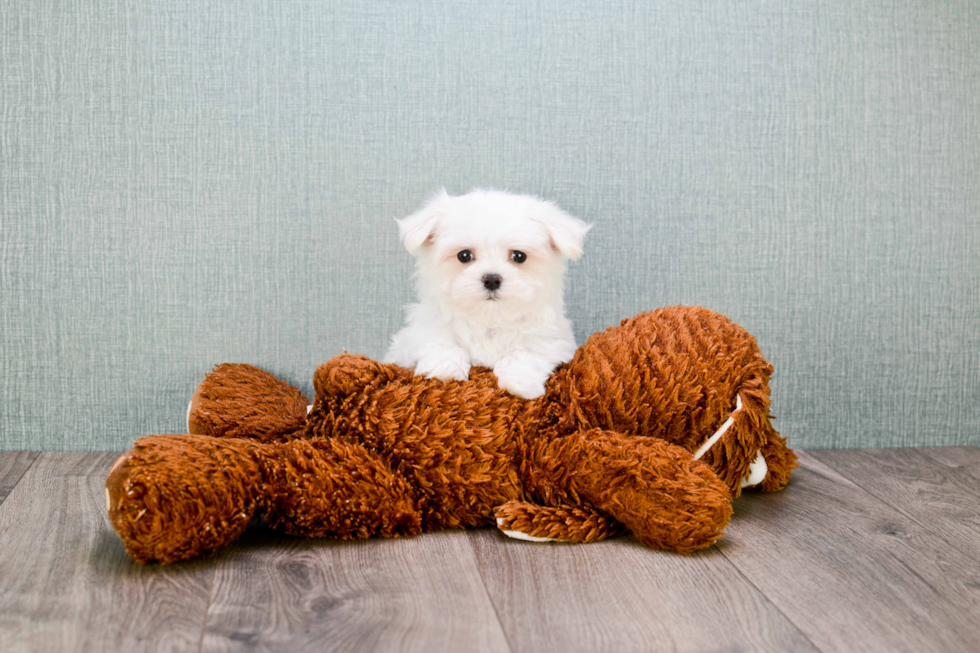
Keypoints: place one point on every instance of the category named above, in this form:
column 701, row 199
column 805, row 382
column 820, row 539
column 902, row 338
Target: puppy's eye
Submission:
column 517, row 257
column 465, row 256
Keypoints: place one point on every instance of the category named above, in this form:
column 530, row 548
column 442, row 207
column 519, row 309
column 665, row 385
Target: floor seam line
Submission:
column 768, row 600
column 483, row 581
column 30, row 465
column 207, row 610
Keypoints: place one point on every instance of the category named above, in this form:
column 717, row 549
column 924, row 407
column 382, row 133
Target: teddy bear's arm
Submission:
column 528, row 521
column 655, row 489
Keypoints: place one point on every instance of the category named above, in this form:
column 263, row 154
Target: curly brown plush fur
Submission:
column 607, row 449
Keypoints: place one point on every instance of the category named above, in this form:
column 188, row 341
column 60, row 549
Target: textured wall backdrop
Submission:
column 189, row 182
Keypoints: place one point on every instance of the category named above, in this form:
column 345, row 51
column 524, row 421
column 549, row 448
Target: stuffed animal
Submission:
column 653, row 428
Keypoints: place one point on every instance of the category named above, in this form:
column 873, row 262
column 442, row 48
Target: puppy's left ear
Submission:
column 566, row 232
column 418, row 229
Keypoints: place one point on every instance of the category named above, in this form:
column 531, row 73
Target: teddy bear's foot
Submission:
column 242, row 401
column 172, row 498
column 534, row 523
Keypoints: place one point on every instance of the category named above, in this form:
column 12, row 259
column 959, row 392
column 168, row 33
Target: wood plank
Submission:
column 941, row 499
column 966, row 459
column 850, row 571
column 619, row 595
column 13, row 465
column 274, row 593
column 67, row 582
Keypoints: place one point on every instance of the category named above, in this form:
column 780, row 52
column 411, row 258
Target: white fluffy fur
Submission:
column 520, row 329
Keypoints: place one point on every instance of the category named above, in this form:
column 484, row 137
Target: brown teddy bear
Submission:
column 652, row 428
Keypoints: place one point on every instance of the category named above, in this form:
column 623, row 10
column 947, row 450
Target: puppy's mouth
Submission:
column 492, row 296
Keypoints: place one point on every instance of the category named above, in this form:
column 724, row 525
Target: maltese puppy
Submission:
column 490, row 269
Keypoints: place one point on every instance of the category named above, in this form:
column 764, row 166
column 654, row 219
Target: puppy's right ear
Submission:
column 419, row 229
column 565, row 232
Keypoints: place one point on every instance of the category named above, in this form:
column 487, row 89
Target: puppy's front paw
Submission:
column 446, row 367
column 521, row 382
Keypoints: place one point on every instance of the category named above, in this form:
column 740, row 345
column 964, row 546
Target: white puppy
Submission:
column 490, row 269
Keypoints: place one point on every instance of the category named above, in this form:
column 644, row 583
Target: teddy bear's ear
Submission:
column 419, row 229
column 565, row 232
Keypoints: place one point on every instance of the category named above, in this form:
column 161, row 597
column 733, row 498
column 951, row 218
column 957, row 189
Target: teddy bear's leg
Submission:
column 656, row 489
column 242, row 401
column 177, row 497
column 534, row 523
column 172, row 497
column 331, row 488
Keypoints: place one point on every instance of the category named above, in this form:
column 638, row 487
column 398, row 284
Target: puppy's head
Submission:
column 491, row 255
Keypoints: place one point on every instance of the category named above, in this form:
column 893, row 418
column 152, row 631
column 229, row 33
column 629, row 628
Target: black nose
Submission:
column 492, row 281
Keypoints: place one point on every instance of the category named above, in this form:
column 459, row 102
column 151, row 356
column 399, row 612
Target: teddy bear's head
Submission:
column 677, row 374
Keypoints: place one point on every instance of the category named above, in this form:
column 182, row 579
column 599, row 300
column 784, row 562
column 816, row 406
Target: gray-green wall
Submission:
column 188, row 182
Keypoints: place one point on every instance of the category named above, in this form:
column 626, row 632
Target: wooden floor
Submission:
column 865, row 551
